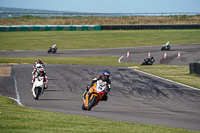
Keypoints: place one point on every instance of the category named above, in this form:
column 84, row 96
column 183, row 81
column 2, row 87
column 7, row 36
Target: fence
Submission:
column 122, row 16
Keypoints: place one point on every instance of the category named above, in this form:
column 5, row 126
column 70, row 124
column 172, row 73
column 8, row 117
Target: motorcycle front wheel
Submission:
column 37, row 93
column 83, row 107
column 91, row 103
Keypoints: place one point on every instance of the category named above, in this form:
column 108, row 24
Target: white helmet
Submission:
column 38, row 65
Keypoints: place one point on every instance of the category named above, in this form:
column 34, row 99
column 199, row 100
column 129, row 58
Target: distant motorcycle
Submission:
column 38, row 87
column 164, row 47
column 94, row 95
column 148, row 61
column 52, row 49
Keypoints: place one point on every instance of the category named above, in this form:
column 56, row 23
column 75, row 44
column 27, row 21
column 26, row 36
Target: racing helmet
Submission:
column 39, row 61
column 105, row 75
column 41, row 71
column 38, row 65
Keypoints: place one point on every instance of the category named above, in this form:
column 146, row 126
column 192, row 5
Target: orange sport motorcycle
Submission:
column 94, row 95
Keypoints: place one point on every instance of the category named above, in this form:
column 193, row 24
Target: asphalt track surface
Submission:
column 134, row 97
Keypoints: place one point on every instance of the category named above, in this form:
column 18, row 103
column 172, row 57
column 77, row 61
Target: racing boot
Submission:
column 84, row 94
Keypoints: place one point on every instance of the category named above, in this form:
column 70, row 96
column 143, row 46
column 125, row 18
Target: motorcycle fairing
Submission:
column 100, row 86
column 98, row 90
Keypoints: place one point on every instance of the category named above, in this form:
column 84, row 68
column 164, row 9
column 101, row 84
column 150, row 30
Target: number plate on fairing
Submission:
column 101, row 86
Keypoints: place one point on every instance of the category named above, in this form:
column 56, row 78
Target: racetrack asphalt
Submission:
column 134, row 97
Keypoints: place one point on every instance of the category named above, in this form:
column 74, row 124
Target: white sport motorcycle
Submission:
column 38, row 87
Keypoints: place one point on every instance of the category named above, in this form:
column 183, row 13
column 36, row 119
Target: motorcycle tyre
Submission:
column 37, row 93
column 143, row 63
column 91, row 103
column 83, row 107
column 48, row 51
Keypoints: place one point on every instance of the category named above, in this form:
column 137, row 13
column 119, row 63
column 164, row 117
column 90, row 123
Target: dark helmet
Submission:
column 105, row 75
column 39, row 61
column 41, row 71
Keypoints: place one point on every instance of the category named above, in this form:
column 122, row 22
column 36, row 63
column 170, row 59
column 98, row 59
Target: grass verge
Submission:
column 19, row 119
column 36, row 40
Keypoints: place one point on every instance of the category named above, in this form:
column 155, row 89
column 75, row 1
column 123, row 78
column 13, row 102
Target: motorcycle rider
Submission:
column 152, row 59
column 167, row 44
column 54, row 47
column 38, row 64
column 105, row 78
column 43, row 74
column 148, row 61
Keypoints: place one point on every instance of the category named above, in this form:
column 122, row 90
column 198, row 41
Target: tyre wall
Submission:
column 93, row 27
column 154, row 27
column 49, row 27
column 194, row 68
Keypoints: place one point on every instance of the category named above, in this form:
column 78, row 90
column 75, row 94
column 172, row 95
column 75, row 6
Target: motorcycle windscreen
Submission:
column 39, row 81
column 101, row 86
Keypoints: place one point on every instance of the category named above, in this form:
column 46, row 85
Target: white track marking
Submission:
column 16, row 90
column 119, row 60
column 165, row 79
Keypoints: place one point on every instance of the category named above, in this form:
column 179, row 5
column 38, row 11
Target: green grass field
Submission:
column 15, row 118
column 95, row 39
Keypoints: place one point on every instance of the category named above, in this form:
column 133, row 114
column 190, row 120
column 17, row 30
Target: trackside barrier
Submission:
column 49, row 28
column 194, row 68
column 153, row 27
column 94, row 27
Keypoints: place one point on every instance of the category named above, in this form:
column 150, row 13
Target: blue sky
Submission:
column 108, row 6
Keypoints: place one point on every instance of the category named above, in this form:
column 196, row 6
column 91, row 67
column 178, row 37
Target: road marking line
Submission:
column 17, row 93
column 165, row 79
column 120, row 59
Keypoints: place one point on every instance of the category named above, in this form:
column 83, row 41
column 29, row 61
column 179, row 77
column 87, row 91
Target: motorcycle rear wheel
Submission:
column 143, row 63
column 37, row 93
column 91, row 103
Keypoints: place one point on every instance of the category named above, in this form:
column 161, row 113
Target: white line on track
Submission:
column 164, row 79
column 119, row 60
column 17, row 93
